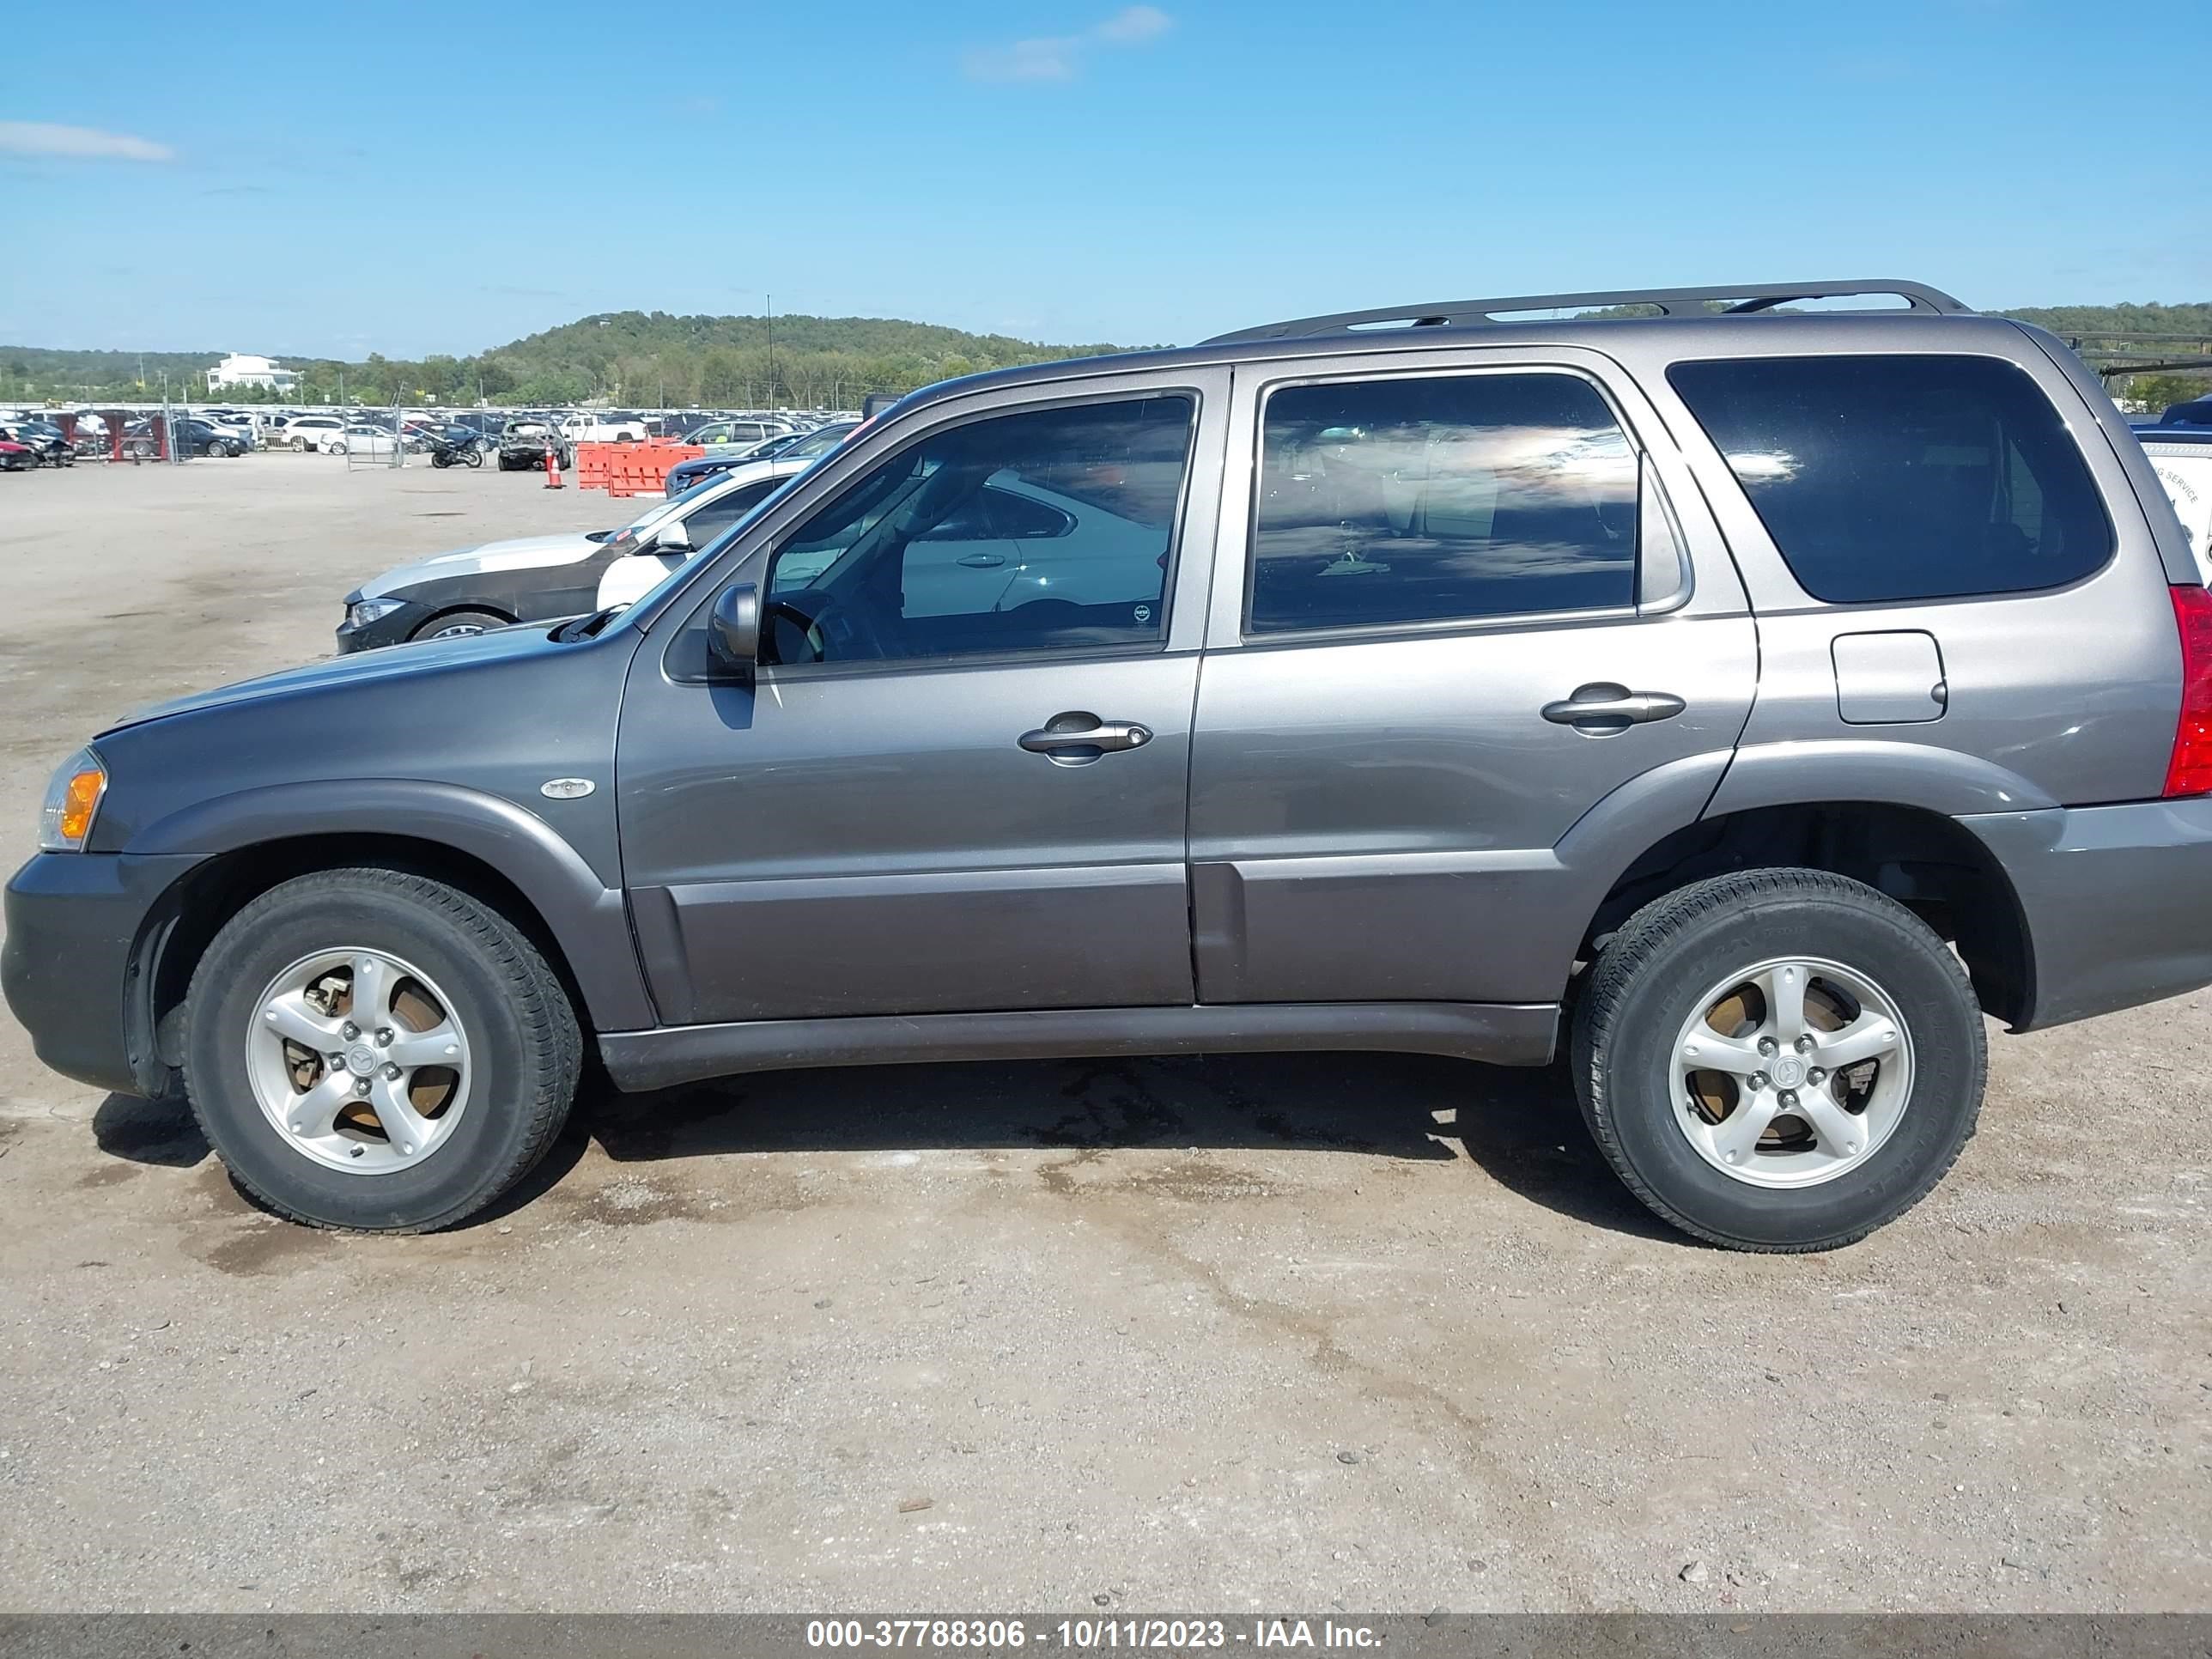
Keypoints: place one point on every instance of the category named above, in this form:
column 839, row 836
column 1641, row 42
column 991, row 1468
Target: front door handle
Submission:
column 1603, row 709
column 983, row 560
column 1078, row 736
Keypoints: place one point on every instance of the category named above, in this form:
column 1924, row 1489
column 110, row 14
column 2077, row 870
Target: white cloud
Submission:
column 1059, row 57
column 1025, row 60
column 83, row 143
column 1134, row 26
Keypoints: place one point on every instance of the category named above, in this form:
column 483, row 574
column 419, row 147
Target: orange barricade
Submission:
column 631, row 469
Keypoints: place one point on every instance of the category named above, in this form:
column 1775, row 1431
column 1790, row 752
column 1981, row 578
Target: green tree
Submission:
column 2154, row 393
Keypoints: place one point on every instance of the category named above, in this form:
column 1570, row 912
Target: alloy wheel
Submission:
column 1791, row 1072
column 358, row 1060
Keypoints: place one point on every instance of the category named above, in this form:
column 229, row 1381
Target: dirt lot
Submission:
column 1266, row 1333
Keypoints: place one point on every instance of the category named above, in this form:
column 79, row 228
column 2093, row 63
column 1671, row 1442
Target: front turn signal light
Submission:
column 72, row 803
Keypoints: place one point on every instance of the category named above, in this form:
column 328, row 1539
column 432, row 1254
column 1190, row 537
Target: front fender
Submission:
column 588, row 920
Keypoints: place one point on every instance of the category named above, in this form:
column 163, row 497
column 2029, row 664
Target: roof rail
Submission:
column 1459, row 313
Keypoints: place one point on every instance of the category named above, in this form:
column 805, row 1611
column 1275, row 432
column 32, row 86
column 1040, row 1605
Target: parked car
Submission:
column 736, row 493
column 189, row 436
column 1751, row 703
column 2181, row 455
column 17, row 458
column 733, row 437
column 360, row 438
column 42, row 438
column 523, row 443
column 312, row 431
column 2195, row 413
column 233, row 424
column 792, row 445
column 603, row 428
column 473, row 590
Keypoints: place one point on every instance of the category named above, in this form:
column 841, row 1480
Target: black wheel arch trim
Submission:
column 588, row 920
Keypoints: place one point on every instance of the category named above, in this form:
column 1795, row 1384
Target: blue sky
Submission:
column 412, row 178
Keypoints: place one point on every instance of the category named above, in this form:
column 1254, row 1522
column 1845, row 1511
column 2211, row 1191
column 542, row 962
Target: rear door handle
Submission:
column 1604, row 707
column 1065, row 737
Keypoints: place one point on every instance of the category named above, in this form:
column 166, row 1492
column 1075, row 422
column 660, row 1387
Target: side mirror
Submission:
column 672, row 535
column 734, row 629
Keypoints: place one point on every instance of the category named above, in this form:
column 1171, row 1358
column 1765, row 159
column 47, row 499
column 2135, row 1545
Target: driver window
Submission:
column 1048, row 530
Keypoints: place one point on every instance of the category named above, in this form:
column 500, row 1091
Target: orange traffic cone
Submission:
column 553, row 467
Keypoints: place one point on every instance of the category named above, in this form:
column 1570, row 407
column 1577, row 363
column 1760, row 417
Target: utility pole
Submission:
column 771, row 351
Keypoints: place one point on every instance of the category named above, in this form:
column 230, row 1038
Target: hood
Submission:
column 523, row 552
column 366, row 668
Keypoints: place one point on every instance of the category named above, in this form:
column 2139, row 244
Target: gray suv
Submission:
column 1749, row 698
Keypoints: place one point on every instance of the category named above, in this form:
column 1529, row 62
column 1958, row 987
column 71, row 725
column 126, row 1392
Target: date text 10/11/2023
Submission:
column 986, row 1635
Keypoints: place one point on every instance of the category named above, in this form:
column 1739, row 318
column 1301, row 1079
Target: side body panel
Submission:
column 1388, row 813
column 873, row 839
column 424, row 744
column 2071, row 692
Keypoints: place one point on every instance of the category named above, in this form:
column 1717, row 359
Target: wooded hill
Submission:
column 645, row 359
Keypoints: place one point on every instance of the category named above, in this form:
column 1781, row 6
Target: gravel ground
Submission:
column 1280, row 1333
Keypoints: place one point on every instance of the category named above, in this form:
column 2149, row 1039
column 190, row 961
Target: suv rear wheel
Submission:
column 375, row 1050
column 1779, row 1060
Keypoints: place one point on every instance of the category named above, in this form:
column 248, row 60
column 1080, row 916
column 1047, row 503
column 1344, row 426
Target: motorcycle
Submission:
column 456, row 452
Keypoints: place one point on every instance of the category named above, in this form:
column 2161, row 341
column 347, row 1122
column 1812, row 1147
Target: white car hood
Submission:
column 523, row 552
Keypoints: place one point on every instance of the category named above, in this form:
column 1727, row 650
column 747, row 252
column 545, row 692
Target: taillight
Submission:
column 2190, row 770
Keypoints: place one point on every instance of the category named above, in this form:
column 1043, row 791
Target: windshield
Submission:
column 639, row 526
column 818, row 443
column 718, row 542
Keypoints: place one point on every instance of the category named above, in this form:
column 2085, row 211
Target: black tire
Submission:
column 459, row 624
column 503, row 994
column 473, row 457
column 506, row 465
column 441, row 459
column 1643, row 987
column 336, row 447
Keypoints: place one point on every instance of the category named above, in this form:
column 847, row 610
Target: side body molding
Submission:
column 586, row 917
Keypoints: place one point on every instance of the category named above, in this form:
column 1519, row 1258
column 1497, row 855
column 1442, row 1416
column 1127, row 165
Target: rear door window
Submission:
column 1423, row 498
column 1884, row 479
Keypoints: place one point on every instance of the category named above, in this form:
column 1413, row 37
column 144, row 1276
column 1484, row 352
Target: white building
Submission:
column 239, row 369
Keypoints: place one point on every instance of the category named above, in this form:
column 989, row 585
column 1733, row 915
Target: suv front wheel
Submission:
column 1779, row 1060
column 372, row 1049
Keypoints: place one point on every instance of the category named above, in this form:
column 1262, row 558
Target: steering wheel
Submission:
column 817, row 641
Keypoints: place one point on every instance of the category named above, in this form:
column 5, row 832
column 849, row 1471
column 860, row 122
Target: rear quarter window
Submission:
column 1884, row 479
